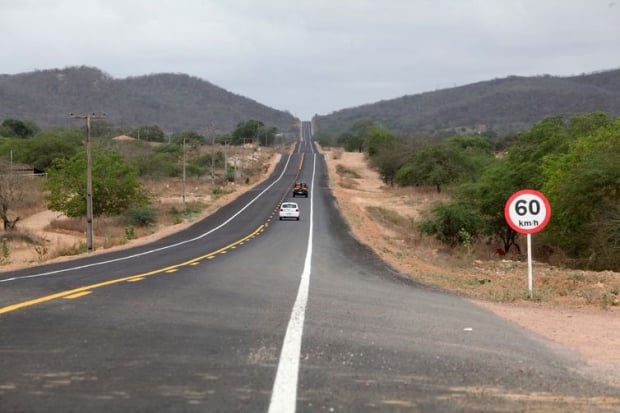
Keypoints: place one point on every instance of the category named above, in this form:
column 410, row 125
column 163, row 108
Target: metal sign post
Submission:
column 528, row 211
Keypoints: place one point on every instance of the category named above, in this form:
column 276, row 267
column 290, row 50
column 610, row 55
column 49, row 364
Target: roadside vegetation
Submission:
column 575, row 162
column 149, row 179
column 387, row 220
column 142, row 179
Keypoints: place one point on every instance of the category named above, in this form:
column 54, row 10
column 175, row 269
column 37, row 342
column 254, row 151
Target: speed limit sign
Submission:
column 527, row 211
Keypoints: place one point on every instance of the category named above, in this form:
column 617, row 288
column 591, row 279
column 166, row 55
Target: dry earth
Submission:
column 590, row 331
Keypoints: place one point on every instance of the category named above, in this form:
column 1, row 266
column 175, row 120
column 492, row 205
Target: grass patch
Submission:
column 22, row 236
column 348, row 183
column 69, row 250
column 68, row 225
column 390, row 218
column 343, row 171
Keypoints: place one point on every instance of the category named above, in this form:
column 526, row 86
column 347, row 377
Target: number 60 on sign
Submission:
column 527, row 211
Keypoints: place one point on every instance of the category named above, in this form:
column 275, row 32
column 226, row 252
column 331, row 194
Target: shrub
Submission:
column 141, row 216
column 450, row 222
column 130, row 232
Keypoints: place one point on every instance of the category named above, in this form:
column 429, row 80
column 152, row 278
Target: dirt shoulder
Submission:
column 570, row 321
column 586, row 329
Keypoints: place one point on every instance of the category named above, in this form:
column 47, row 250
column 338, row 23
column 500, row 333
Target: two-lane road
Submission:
column 243, row 312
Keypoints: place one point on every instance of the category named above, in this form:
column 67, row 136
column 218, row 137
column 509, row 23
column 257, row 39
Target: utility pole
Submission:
column 225, row 161
column 184, row 204
column 243, row 158
column 212, row 159
column 89, row 178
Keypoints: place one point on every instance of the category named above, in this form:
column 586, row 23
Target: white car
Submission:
column 289, row 210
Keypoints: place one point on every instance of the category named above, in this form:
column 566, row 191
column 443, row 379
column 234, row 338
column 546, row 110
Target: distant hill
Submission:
column 173, row 102
column 501, row 105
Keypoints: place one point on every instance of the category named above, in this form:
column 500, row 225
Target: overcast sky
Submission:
column 314, row 56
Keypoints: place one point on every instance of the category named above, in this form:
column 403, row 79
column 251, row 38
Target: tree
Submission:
column 520, row 168
column 587, row 124
column 583, row 185
column 149, row 133
column 10, row 193
column 45, row 147
column 488, row 195
column 115, row 186
column 100, row 128
column 452, row 223
column 435, row 165
column 19, row 129
column 189, row 137
column 361, row 133
column 389, row 155
column 267, row 136
column 526, row 154
column 379, row 140
column 471, row 143
column 246, row 132
column 350, row 142
column 159, row 164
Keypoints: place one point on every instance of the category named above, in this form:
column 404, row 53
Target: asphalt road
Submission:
column 246, row 313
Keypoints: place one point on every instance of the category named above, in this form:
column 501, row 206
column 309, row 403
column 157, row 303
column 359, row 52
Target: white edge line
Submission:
column 284, row 393
column 127, row 257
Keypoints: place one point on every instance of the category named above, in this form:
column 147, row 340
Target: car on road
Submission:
column 289, row 210
column 300, row 189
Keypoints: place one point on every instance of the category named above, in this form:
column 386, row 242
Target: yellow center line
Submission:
column 78, row 295
column 132, row 278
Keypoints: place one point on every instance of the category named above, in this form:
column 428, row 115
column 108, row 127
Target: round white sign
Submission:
column 527, row 211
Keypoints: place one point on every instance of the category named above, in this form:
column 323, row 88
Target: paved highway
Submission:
column 246, row 313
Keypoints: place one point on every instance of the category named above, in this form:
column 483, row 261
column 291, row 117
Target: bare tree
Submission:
column 10, row 193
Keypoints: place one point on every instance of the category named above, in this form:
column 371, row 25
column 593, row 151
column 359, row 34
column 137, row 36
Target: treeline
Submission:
column 116, row 165
column 25, row 142
column 574, row 161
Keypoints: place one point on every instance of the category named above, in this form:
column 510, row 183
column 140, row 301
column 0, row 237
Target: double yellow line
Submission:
column 82, row 291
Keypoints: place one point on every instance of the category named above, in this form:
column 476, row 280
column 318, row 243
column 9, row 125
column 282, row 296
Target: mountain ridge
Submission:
column 171, row 101
column 177, row 101
column 503, row 105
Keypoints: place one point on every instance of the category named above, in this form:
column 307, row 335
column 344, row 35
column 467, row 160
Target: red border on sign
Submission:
column 527, row 192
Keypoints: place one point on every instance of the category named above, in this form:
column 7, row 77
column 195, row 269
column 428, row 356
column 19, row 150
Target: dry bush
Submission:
column 24, row 237
column 337, row 153
column 110, row 231
column 20, row 239
column 67, row 250
column 390, row 218
column 28, row 197
column 347, row 177
column 64, row 224
column 344, row 171
column 32, row 196
column 348, row 183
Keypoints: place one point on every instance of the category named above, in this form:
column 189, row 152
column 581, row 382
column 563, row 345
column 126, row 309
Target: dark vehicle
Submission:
column 300, row 189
